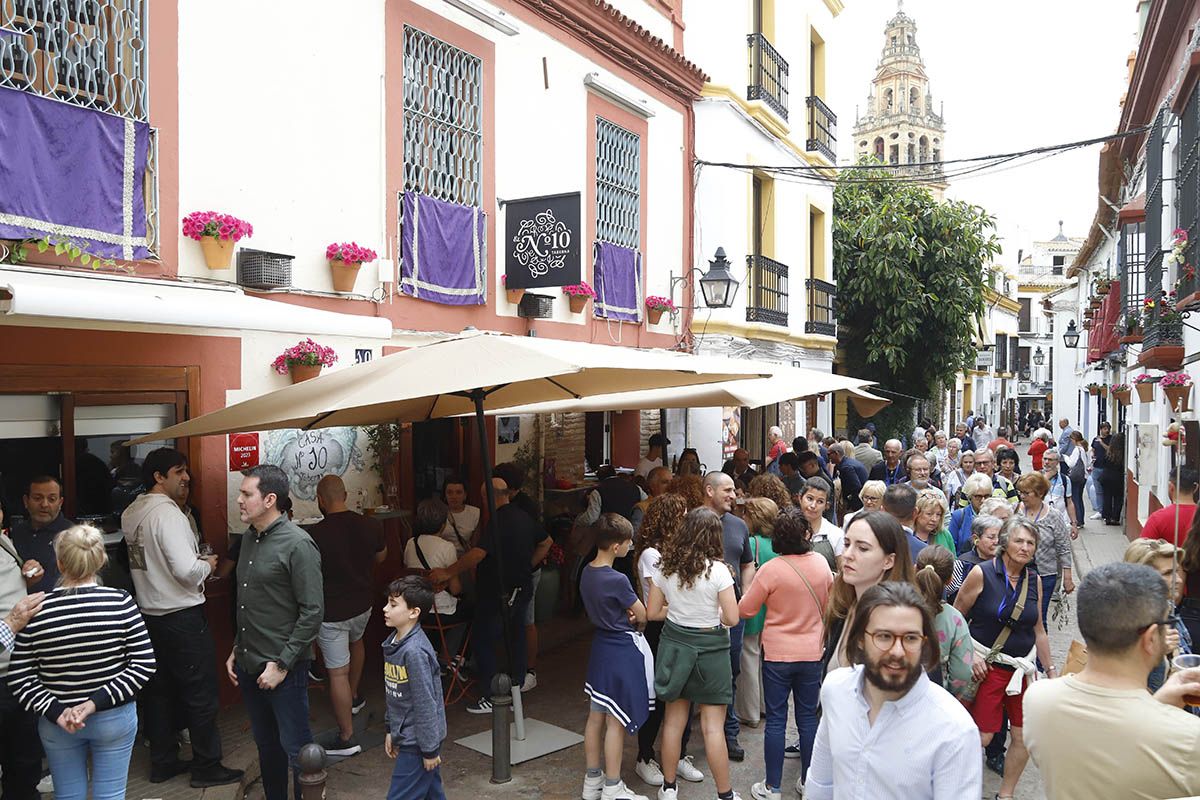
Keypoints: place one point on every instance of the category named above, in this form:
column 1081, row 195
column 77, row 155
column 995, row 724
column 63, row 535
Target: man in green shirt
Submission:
column 280, row 607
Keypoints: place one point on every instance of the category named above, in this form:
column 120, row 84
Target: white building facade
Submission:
column 775, row 231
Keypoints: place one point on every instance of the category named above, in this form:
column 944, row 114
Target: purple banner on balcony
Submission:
column 618, row 279
column 443, row 250
column 72, row 173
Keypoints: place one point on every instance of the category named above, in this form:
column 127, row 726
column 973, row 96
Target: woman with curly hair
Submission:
column 690, row 487
column 694, row 593
column 663, row 520
column 772, row 488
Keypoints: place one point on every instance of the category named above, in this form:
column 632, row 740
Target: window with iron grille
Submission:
column 618, row 185
column 1154, row 205
column 90, row 53
column 1131, row 255
column 1001, row 361
column 1013, row 355
column 1188, row 188
column 443, row 120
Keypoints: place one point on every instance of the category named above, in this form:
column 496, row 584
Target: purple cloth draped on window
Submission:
column 443, row 250
column 74, row 173
column 618, row 278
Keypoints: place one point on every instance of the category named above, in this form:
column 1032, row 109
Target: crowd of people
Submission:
column 878, row 595
column 915, row 611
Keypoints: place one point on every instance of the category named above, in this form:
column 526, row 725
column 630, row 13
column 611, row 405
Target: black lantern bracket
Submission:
column 718, row 287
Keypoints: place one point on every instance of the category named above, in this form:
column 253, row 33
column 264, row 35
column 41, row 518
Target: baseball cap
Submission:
column 659, row 440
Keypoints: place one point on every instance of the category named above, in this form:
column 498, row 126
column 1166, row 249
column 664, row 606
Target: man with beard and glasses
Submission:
column 887, row 731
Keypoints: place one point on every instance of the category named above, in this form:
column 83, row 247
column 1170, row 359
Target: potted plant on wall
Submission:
column 304, row 360
column 345, row 259
column 1144, row 383
column 1121, row 392
column 1093, row 389
column 1163, row 343
column 216, row 233
column 656, row 306
column 514, row 295
column 1103, row 285
column 1177, row 388
column 578, row 295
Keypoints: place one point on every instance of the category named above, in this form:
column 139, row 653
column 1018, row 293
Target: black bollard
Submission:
column 501, row 752
column 312, row 771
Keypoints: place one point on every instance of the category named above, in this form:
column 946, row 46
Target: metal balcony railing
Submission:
column 822, row 129
column 821, row 297
column 768, row 75
column 768, row 301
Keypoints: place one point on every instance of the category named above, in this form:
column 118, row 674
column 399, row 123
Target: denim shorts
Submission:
column 335, row 639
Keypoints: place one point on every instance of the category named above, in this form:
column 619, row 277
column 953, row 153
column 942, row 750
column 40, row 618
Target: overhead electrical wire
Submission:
column 973, row 165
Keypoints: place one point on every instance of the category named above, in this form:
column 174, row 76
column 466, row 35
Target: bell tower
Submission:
column 900, row 126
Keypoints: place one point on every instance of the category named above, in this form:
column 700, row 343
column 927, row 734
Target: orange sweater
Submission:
column 793, row 630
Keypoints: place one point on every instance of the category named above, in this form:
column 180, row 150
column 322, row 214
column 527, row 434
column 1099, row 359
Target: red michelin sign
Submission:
column 243, row 451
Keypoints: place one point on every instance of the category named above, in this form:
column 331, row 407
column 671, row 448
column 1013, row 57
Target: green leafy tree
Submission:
column 909, row 271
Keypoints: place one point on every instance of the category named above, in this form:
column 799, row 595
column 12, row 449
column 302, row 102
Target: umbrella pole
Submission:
column 502, row 684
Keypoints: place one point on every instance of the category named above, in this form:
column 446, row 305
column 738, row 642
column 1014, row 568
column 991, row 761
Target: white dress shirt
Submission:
column 923, row 746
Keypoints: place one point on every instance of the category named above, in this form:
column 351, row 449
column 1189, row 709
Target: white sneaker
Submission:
column 1097, row 515
column 759, row 791
column 46, row 785
column 800, row 786
column 620, row 792
column 530, row 681
column 650, row 772
column 668, row 794
column 688, row 771
column 592, row 787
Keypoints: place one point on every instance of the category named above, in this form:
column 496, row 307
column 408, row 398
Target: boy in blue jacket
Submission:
column 416, row 719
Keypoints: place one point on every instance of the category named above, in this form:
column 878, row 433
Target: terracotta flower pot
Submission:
column 1178, row 397
column 1145, row 391
column 1122, row 396
column 514, row 295
column 654, row 315
column 302, row 372
column 1093, row 390
column 578, row 302
column 344, row 274
column 218, row 253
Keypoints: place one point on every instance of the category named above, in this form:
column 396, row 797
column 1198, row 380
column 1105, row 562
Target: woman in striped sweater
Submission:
column 79, row 664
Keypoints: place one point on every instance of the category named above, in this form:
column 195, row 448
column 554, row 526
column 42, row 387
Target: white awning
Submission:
column 141, row 301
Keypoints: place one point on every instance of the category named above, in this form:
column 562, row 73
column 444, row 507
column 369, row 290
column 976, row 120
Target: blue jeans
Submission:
column 279, row 720
column 489, row 631
column 108, row 737
column 1048, row 582
column 802, row 680
column 410, row 780
column 732, row 728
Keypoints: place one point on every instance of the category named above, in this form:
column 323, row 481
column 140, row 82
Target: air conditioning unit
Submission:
column 1023, row 387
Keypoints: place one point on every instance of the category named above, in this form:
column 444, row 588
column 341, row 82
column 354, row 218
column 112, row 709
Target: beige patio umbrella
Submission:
column 782, row 384
column 465, row 374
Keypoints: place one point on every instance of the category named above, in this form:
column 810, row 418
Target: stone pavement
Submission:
column 559, row 699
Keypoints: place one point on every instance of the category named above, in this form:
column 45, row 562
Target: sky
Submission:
column 1011, row 76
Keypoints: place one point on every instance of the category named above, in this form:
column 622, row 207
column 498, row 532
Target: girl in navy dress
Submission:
column 620, row 674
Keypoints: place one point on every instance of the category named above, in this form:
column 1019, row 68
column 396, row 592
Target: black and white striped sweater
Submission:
column 87, row 643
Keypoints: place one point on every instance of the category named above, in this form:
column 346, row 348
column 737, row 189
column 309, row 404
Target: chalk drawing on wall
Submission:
column 308, row 456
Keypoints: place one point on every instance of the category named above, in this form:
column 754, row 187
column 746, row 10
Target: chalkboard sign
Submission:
column 542, row 236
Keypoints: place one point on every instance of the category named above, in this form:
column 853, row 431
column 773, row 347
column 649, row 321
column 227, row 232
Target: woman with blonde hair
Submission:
column 930, row 523
column 79, row 665
column 1167, row 560
column 759, row 515
column 871, row 495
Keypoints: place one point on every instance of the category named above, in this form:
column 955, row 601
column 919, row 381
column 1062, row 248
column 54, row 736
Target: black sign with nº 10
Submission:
column 542, row 237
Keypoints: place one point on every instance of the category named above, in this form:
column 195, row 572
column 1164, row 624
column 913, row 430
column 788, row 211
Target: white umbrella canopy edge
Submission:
column 434, row 380
column 785, row 383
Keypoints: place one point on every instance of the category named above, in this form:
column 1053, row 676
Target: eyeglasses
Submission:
column 884, row 640
column 982, row 496
column 1170, row 622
